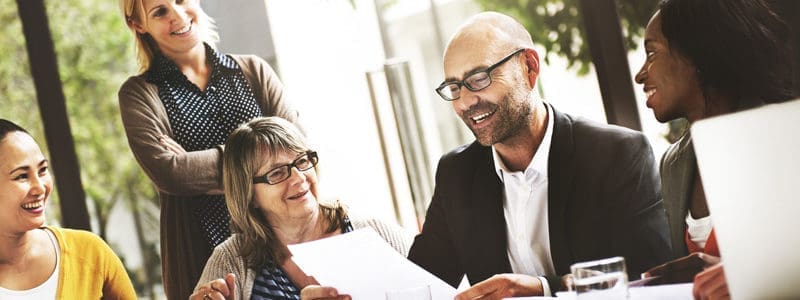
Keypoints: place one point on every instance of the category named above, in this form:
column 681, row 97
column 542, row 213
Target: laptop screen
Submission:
column 750, row 166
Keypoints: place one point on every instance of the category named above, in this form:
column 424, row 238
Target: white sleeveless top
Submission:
column 46, row 290
column 699, row 229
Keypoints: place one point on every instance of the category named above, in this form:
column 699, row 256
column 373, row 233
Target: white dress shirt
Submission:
column 525, row 210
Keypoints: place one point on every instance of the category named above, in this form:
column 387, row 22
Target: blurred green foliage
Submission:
column 558, row 26
column 95, row 55
column 17, row 94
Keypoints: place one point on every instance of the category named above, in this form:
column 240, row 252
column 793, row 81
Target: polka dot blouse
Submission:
column 201, row 120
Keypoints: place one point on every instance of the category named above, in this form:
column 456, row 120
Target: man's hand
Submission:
column 218, row 289
column 682, row 269
column 567, row 282
column 503, row 286
column 317, row 292
column 711, row 284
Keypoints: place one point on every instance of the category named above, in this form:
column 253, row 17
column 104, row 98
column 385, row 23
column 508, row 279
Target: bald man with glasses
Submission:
column 539, row 189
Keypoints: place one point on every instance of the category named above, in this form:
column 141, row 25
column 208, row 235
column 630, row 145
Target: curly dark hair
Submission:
column 739, row 47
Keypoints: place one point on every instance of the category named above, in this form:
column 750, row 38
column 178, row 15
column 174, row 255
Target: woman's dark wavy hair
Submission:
column 739, row 47
column 7, row 127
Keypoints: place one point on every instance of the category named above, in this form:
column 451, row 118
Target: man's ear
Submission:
column 531, row 61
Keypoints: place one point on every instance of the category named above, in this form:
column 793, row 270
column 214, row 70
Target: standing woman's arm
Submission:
column 145, row 122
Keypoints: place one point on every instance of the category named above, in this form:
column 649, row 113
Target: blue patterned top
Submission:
column 273, row 283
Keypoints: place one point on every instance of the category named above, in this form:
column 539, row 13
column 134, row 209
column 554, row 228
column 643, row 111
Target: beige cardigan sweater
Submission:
column 179, row 177
column 226, row 258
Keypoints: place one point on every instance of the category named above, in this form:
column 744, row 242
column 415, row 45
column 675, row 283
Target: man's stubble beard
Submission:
column 511, row 118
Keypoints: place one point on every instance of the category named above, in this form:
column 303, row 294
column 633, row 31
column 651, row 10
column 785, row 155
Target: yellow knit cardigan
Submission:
column 89, row 269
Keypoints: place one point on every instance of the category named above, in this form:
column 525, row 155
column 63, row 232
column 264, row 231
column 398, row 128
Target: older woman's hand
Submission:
column 317, row 292
column 219, row 289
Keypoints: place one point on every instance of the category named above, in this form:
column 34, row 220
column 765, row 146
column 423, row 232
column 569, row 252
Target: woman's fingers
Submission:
column 218, row 289
column 230, row 282
column 711, row 284
column 205, row 292
column 317, row 292
column 708, row 260
column 219, row 285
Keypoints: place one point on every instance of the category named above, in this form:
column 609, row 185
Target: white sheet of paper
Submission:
column 363, row 265
column 665, row 292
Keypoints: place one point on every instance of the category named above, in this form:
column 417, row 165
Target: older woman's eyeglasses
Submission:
column 476, row 81
column 277, row 175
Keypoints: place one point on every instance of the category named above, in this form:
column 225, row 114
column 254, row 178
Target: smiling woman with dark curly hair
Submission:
column 707, row 58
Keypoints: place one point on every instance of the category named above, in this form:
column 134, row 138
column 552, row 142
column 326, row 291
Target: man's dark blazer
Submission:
column 603, row 201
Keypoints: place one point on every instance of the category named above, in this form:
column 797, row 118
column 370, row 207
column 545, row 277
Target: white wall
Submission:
column 324, row 49
column 243, row 26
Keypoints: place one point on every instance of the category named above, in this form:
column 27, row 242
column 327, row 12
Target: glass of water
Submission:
column 601, row 279
column 420, row 293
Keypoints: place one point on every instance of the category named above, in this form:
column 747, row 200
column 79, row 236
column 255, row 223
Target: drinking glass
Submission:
column 415, row 293
column 601, row 279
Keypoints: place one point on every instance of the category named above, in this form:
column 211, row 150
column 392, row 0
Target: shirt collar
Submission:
column 163, row 68
column 220, row 59
column 539, row 163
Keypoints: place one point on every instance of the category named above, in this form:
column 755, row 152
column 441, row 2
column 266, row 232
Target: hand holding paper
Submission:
column 362, row 265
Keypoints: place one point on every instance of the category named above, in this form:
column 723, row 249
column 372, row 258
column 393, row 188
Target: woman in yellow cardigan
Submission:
column 43, row 262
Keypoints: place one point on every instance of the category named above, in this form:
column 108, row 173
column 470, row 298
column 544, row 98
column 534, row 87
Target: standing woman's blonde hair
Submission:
column 146, row 47
column 247, row 149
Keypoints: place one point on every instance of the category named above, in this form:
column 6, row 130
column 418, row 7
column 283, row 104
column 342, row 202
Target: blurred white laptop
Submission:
column 750, row 166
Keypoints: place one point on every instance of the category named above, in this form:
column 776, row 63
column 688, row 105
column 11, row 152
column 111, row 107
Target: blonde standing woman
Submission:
column 177, row 112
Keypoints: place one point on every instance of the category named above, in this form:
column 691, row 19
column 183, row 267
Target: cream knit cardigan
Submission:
column 226, row 258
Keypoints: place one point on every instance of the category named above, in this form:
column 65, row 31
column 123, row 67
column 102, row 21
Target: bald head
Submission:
column 491, row 56
column 483, row 40
column 490, row 33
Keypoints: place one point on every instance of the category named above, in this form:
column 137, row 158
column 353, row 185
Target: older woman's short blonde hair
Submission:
column 247, row 149
column 146, row 46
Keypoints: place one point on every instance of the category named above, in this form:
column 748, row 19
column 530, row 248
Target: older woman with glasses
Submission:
column 270, row 181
